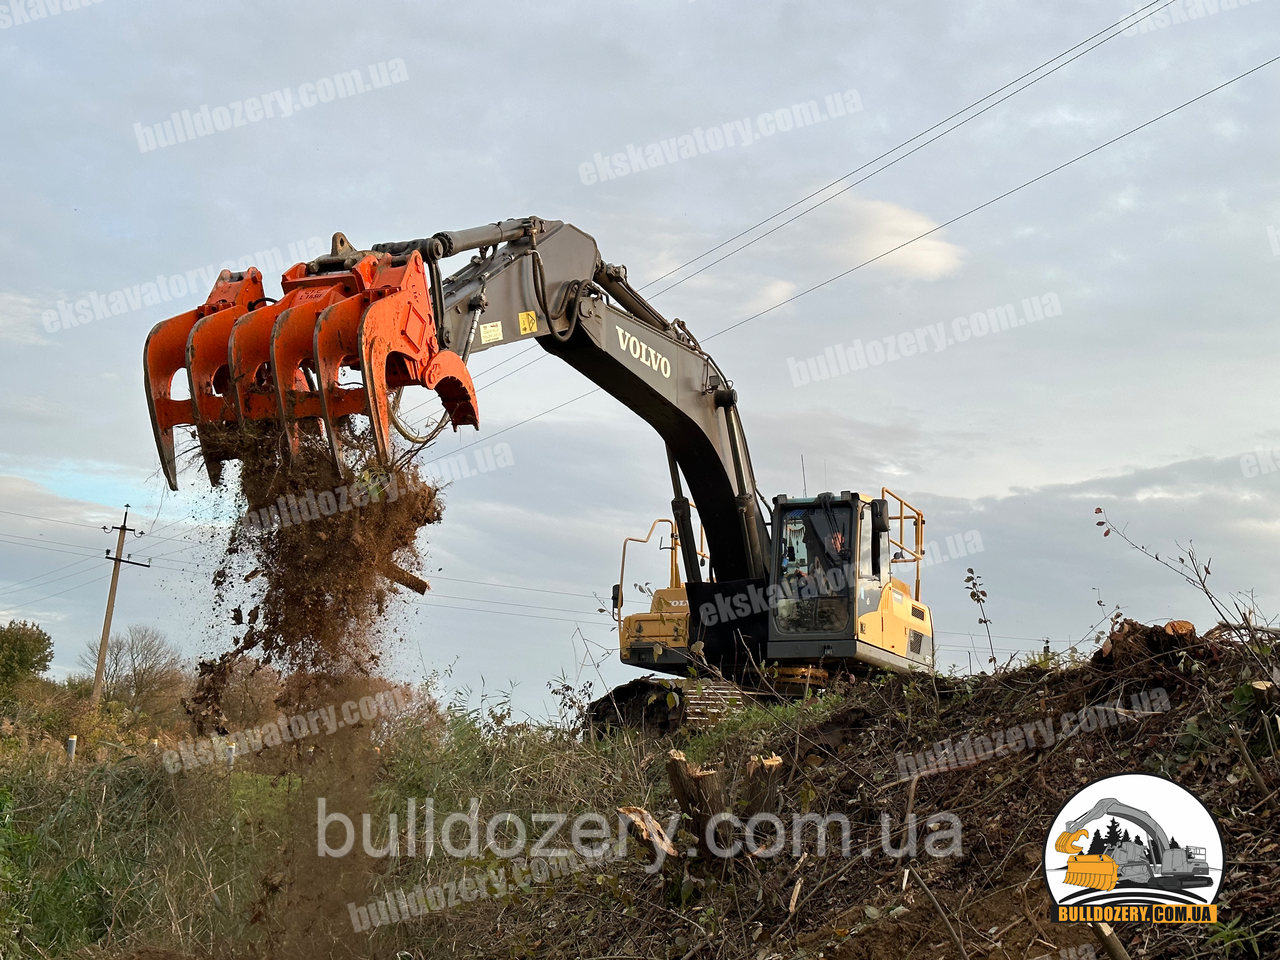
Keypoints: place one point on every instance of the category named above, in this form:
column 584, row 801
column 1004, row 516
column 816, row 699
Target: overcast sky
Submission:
column 1142, row 395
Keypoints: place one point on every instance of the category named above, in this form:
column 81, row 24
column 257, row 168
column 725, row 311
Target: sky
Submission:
column 1146, row 388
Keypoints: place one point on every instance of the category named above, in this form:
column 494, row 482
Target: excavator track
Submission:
column 663, row 705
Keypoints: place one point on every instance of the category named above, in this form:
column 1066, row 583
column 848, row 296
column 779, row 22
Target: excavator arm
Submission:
column 548, row 282
column 1111, row 806
column 390, row 314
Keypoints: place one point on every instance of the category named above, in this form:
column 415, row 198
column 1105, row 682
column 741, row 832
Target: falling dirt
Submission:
column 306, row 580
column 315, row 552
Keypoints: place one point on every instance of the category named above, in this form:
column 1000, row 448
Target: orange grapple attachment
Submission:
column 249, row 360
column 1069, row 842
column 167, row 351
column 293, row 360
column 388, row 333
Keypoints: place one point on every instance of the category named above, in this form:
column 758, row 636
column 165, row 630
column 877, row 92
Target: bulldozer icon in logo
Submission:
column 1113, row 853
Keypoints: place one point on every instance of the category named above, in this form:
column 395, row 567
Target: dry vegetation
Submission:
column 116, row 858
column 118, row 855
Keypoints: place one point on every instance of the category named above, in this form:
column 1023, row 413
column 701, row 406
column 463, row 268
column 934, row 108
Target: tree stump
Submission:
column 1265, row 694
column 758, row 792
column 701, row 795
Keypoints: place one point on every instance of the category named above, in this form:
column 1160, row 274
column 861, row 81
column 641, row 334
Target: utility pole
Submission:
column 111, row 602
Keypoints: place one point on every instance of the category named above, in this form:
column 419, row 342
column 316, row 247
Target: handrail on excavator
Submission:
column 905, row 513
column 617, row 605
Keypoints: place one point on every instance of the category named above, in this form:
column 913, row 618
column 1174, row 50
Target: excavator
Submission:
column 786, row 589
column 1160, row 864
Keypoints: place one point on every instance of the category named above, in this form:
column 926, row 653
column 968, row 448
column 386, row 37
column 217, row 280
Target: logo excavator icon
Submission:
column 1160, row 864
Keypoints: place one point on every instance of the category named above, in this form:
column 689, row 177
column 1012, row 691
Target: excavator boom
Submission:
column 1159, row 863
column 354, row 327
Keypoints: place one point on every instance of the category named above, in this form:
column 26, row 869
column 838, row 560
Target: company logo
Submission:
column 1134, row 848
column 630, row 343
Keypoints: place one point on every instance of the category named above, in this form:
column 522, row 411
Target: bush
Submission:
column 25, row 651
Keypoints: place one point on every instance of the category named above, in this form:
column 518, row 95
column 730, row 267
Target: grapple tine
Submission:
column 293, row 346
column 166, row 353
column 337, row 345
column 399, row 347
column 248, row 354
column 210, row 383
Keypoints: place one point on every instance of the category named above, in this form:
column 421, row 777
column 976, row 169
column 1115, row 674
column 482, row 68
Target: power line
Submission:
column 983, row 206
column 1101, row 33
column 507, row 603
column 496, row 433
column 32, row 603
column 18, row 588
column 187, row 566
column 906, row 243
column 89, row 526
column 499, row 613
column 61, row 543
column 904, row 143
column 190, row 546
column 508, row 586
column 39, row 546
column 486, row 386
column 70, row 523
column 862, row 180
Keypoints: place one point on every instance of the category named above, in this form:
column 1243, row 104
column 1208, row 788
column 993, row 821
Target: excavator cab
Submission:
column 832, row 594
column 830, row 600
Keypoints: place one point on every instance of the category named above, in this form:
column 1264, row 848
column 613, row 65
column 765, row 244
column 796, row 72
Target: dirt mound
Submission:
column 1180, row 694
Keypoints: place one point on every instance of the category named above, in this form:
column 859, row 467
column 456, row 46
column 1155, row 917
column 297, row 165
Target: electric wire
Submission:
column 1007, row 193
column 887, row 153
column 40, row 586
column 18, row 585
column 31, row 603
column 70, row 523
column 927, row 233
column 498, row 613
column 904, row 143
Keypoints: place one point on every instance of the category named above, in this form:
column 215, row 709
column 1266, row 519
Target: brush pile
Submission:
column 1199, row 710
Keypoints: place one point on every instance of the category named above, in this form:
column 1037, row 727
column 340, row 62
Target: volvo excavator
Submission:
column 1159, row 864
column 786, row 589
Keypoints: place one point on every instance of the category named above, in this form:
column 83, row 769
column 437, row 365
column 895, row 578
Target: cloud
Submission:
column 20, row 321
column 773, row 292
column 867, row 228
column 1042, row 555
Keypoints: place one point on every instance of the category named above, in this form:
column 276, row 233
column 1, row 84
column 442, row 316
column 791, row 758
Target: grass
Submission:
column 106, row 853
column 108, row 856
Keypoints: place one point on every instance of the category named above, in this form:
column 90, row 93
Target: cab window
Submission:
column 814, row 562
column 866, row 563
